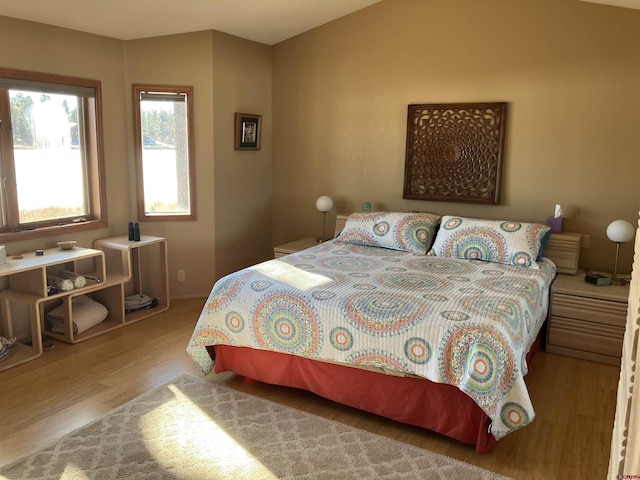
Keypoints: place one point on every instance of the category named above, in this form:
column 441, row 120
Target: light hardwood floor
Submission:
column 72, row 385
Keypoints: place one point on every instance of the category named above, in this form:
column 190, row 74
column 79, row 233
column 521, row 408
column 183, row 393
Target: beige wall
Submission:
column 233, row 229
column 242, row 187
column 568, row 69
column 182, row 60
column 335, row 99
column 41, row 48
column 233, row 189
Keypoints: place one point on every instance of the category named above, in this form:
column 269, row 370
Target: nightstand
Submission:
column 587, row 321
column 293, row 247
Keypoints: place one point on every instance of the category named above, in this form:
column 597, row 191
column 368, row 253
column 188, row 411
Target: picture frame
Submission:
column 454, row 152
column 248, row 131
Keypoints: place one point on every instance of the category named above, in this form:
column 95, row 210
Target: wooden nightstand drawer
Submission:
column 590, row 309
column 586, row 336
column 586, row 321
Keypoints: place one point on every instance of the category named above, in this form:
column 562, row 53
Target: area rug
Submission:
column 193, row 429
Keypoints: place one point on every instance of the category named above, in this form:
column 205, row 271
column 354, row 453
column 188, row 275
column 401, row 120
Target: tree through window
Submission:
column 163, row 132
column 50, row 154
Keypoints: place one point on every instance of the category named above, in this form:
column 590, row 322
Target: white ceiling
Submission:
column 264, row 21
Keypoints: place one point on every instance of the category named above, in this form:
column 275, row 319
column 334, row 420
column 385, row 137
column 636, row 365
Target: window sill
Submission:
column 52, row 231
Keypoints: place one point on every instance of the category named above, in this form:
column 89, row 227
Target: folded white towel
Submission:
column 78, row 280
column 85, row 311
column 62, row 284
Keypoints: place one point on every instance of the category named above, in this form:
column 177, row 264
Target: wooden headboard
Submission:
column 562, row 248
column 340, row 221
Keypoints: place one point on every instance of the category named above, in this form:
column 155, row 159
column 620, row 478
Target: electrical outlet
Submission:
column 585, row 241
column 182, row 276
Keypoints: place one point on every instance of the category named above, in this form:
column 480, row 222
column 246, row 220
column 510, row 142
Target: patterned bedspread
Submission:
column 462, row 322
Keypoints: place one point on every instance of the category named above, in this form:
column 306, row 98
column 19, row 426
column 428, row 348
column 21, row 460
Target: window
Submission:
column 163, row 133
column 50, row 155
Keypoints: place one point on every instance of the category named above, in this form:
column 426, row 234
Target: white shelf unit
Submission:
column 115, row 268
column 143, row 266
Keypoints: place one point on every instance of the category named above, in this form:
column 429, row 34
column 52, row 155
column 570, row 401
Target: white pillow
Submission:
column 511, row 243
column 409, row 232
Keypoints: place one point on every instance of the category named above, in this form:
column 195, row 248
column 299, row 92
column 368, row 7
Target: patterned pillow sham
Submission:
column 511, row 243
column 409, row 232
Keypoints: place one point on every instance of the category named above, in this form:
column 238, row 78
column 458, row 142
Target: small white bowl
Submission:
column 68, row 245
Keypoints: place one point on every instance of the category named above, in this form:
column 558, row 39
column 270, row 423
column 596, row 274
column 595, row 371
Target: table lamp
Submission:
column 619, row 231
column 324, row 204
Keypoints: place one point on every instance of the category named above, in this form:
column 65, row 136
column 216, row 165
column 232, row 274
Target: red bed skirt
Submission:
column 438, row 407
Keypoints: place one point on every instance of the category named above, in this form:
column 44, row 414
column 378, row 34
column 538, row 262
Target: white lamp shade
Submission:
column 324, row 203
column 620, row 231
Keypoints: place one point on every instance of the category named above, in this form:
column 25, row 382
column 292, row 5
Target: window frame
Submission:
column 94, row 162
column 137, row 90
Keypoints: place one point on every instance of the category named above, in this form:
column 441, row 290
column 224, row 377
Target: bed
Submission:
column 425, row 320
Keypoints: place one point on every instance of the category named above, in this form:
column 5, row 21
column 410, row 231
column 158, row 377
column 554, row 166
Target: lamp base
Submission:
column 620, row 281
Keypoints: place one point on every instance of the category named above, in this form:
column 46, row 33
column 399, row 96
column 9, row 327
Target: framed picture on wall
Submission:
column 248, row 131
column 454, row 152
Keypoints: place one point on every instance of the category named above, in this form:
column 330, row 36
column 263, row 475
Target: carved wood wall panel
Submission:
column 454, row 152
